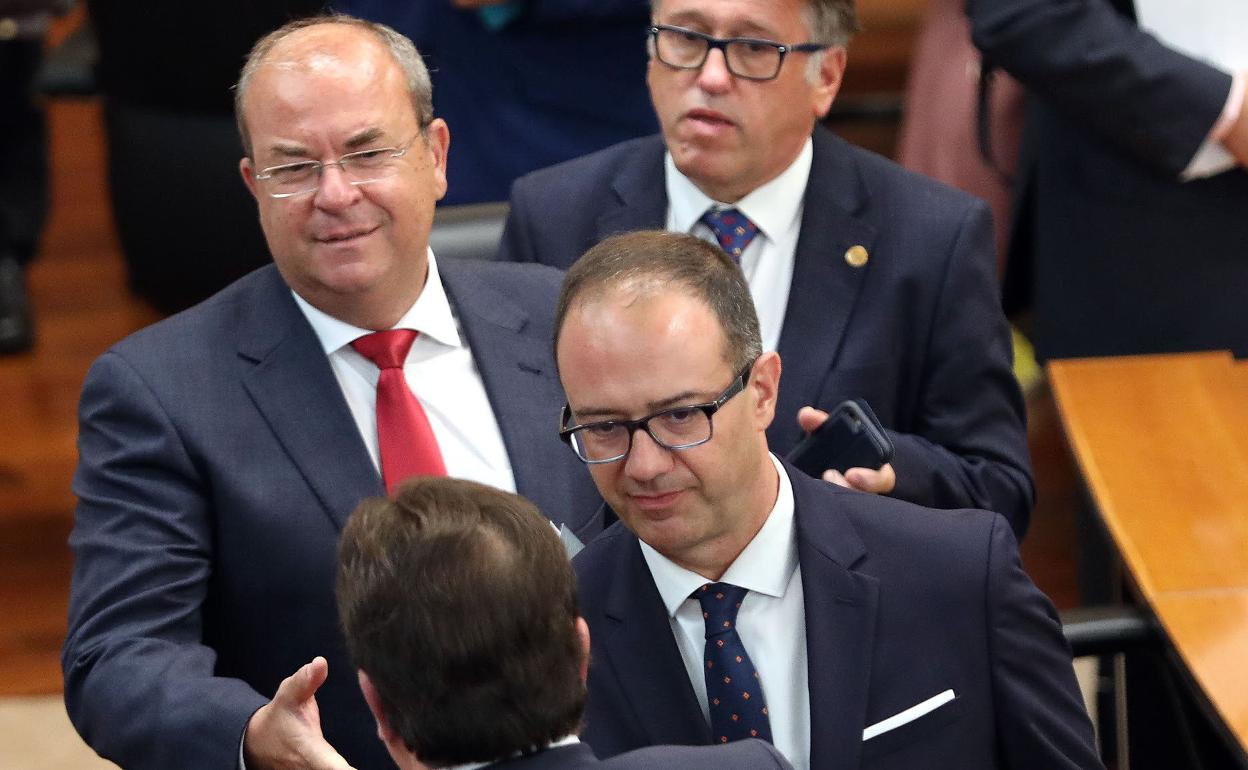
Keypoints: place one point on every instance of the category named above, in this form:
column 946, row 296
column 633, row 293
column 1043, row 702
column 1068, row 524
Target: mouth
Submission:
column 344, row 236
column 654, row 502
column 709, row 119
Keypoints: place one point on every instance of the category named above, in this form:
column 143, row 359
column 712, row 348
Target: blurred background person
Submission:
column 526, row 83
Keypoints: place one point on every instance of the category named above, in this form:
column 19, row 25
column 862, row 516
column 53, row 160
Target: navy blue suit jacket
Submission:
column 918, row 331
column 743, row 755
column 564, row 78
column 1122, row 257
column 901, row 604
column 218, row 462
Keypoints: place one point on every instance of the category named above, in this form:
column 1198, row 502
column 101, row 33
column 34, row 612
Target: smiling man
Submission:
column 739, row 598
column 872, row 282
column 222, row 449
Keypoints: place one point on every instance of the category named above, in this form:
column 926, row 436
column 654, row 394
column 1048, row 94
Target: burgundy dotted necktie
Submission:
column 405, row 440
column 733, row 691
column 733, row 230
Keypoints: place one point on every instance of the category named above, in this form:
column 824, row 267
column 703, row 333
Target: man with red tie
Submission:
column 221, row 450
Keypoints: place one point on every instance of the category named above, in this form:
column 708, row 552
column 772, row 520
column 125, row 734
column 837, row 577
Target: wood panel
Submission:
column 1163, row 444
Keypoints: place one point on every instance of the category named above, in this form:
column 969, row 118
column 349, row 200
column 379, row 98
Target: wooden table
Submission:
column 1162, row 442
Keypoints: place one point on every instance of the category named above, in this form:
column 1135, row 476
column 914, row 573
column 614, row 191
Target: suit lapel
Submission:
column 644, row 660
column 518, row 373
column 824, row 287
column 640, row 194
column 841, row 607
column 293, row 386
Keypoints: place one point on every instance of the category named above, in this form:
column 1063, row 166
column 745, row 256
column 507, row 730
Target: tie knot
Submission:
column 733, row 230
column 387, row 349
column 720, row 602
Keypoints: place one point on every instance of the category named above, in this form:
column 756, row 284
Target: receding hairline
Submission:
column 641, row 284
column 274, row 47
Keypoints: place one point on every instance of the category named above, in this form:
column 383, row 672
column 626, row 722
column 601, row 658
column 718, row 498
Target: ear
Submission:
column 371, row 696
column 828, row 80
column 582, row 634
column 438, row 141
column 249, row 177
column 764, row 385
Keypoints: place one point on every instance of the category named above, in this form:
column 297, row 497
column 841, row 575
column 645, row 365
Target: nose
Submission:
column 335, row 190
column 714, row 76
column 646, row 460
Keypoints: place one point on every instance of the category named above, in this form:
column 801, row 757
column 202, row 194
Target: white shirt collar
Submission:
column 430, row 315
column 566, row 741
column 764, row 567
column 772, row 207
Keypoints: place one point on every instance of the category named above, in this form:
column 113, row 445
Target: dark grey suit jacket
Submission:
column 744, row 755
column 900, row 605
column 1122, row 257
column 918, row 331
column 218, row 461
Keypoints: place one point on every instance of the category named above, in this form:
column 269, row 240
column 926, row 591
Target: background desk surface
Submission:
column 1162, row 442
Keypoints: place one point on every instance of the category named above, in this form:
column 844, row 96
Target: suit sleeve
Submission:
column 1041, row 720
column 1101, row 70
column 139, row 683
column 967, row 447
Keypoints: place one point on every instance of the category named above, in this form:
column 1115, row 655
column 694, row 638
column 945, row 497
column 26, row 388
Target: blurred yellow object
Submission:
column 1026, row 370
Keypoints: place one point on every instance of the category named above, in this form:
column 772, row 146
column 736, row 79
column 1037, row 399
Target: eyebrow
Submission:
column 696, row 21
column 363, row 138
column 603, row 414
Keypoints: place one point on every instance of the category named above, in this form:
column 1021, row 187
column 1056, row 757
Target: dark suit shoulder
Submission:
column 521, row 281
column 583, row 177
column 204, row 331
column 894, row 188
column 881, row 535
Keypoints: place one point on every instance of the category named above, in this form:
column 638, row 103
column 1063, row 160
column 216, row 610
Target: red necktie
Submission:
column 405, row 440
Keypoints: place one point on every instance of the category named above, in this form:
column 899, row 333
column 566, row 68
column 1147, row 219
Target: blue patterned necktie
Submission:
column 733, row 230
column 733, row 691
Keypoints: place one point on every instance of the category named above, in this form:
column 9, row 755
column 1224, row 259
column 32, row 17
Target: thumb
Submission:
column 303, row 684
column 810, row 418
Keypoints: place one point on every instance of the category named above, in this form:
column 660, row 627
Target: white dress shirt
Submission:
column 442, row 374
column 771, row 622
column 776, row 208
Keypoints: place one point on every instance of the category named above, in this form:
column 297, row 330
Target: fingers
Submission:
column 810, row 418
column 878, row 482
column 834, row 476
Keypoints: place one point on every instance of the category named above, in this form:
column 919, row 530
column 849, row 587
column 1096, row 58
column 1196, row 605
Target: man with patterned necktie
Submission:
column 459, row 609
column 222, row 449
column 872, row 282
column 739, row 598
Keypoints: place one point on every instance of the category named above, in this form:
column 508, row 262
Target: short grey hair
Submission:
column 832, row 22
column 400, row 47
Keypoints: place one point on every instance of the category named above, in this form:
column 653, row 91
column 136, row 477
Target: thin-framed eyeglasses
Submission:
column 302, row 177
column 679, row 427
column 746, row 57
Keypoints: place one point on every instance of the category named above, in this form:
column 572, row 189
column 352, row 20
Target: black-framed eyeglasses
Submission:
column 746, row 57
column 679, row 427
column 362, row 167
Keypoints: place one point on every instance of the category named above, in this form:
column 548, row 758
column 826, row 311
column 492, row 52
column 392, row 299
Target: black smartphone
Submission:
column 852, row 437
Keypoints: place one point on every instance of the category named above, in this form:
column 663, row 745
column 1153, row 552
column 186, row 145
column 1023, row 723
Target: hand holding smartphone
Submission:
column 852, row 437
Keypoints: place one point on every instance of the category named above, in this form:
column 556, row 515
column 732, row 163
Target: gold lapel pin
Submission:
column 856, row 255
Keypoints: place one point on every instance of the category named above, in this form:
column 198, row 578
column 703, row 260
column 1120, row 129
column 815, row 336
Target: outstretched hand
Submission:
column 285, row 733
